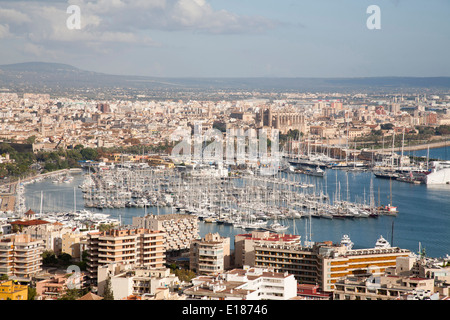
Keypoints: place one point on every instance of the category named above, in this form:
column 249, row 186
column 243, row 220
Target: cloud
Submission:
column 113, row 28
column 13, row 16
column 4, row 31
column 120, row 21
column 171, row 15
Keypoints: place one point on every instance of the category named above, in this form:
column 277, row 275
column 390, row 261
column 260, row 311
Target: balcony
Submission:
column 115, row 250
column 117, row 244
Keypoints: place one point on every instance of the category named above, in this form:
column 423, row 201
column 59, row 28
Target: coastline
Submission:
column 425, row 146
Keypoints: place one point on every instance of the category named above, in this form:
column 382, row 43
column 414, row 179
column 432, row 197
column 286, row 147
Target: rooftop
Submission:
column 34, row 222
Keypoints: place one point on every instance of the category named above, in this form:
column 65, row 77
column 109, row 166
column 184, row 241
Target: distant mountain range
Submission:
column 22, row 77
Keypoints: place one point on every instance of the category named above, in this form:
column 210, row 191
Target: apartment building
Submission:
column 381, row 288
column 244, row 245
column 51, row 234
column 311, row 292
column 73, row 244
column 244, row 284
column 179, row 229
column 335, row 264
column 128, row 246
column 55, row 286
column 325, row 263
column 210, row 255
column 20, row 256
column 9, row 290
column 134, row 280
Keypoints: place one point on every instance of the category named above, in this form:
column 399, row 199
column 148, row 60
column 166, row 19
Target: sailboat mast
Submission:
column 403, row 143
column 392, row 234
column 40, row 207
column 393, row 143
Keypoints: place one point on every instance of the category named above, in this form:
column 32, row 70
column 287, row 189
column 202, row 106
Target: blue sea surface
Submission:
column 433, row 153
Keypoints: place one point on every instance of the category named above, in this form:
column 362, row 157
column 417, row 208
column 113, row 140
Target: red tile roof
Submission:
column 29, row 222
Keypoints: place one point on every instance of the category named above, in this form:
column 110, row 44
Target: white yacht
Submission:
column 345, row 241
column 382, row 243
column 440, row 173
column 276, row 227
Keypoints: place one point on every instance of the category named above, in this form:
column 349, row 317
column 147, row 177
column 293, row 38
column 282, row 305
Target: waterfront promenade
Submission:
column 8, row 189
column 424, row 146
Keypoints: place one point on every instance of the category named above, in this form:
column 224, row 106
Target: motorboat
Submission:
column 382, row 243
column 345, row 241
column 276, row 227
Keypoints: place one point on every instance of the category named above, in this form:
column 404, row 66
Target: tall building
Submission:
column 103, row 107
column 283, row 120
column 72, row 243
column 21, row 256
column 210, row 255
column 244, row 245
column 179, row 229
column 128, row 246
column 325, row 263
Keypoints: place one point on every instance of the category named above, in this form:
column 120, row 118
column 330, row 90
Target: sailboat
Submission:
column 389, row 209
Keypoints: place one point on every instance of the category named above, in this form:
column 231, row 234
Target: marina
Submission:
column 288, row 206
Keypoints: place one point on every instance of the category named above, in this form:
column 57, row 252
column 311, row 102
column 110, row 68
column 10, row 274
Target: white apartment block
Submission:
column 244, row 284
column 180, row 229
column 134, row 280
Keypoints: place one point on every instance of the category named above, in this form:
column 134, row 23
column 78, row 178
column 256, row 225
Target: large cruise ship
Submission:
column 440, row 173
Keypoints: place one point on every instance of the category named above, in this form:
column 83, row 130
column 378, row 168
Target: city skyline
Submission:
column 200, row 38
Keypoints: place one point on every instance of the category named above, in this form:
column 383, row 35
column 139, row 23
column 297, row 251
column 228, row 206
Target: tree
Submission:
column 49, row 258
column 105, row 227
column 89, row 154
column 73, row 294
column 387, row 126
column 31, row 293
column 83, row 263
column 184, row 274
column 423, row 253
column 31, row 139
column 107, row 293
column 65, row 259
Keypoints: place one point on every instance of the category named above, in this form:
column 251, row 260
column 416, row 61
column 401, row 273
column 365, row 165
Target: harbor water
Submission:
column 423, row 219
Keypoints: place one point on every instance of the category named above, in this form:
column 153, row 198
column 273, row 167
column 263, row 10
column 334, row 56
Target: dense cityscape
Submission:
column 224, row 158
column 124, row 150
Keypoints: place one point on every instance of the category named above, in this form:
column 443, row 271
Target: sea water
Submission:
column 423, row 220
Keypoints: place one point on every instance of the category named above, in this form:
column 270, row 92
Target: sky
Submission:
column 231, row 38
